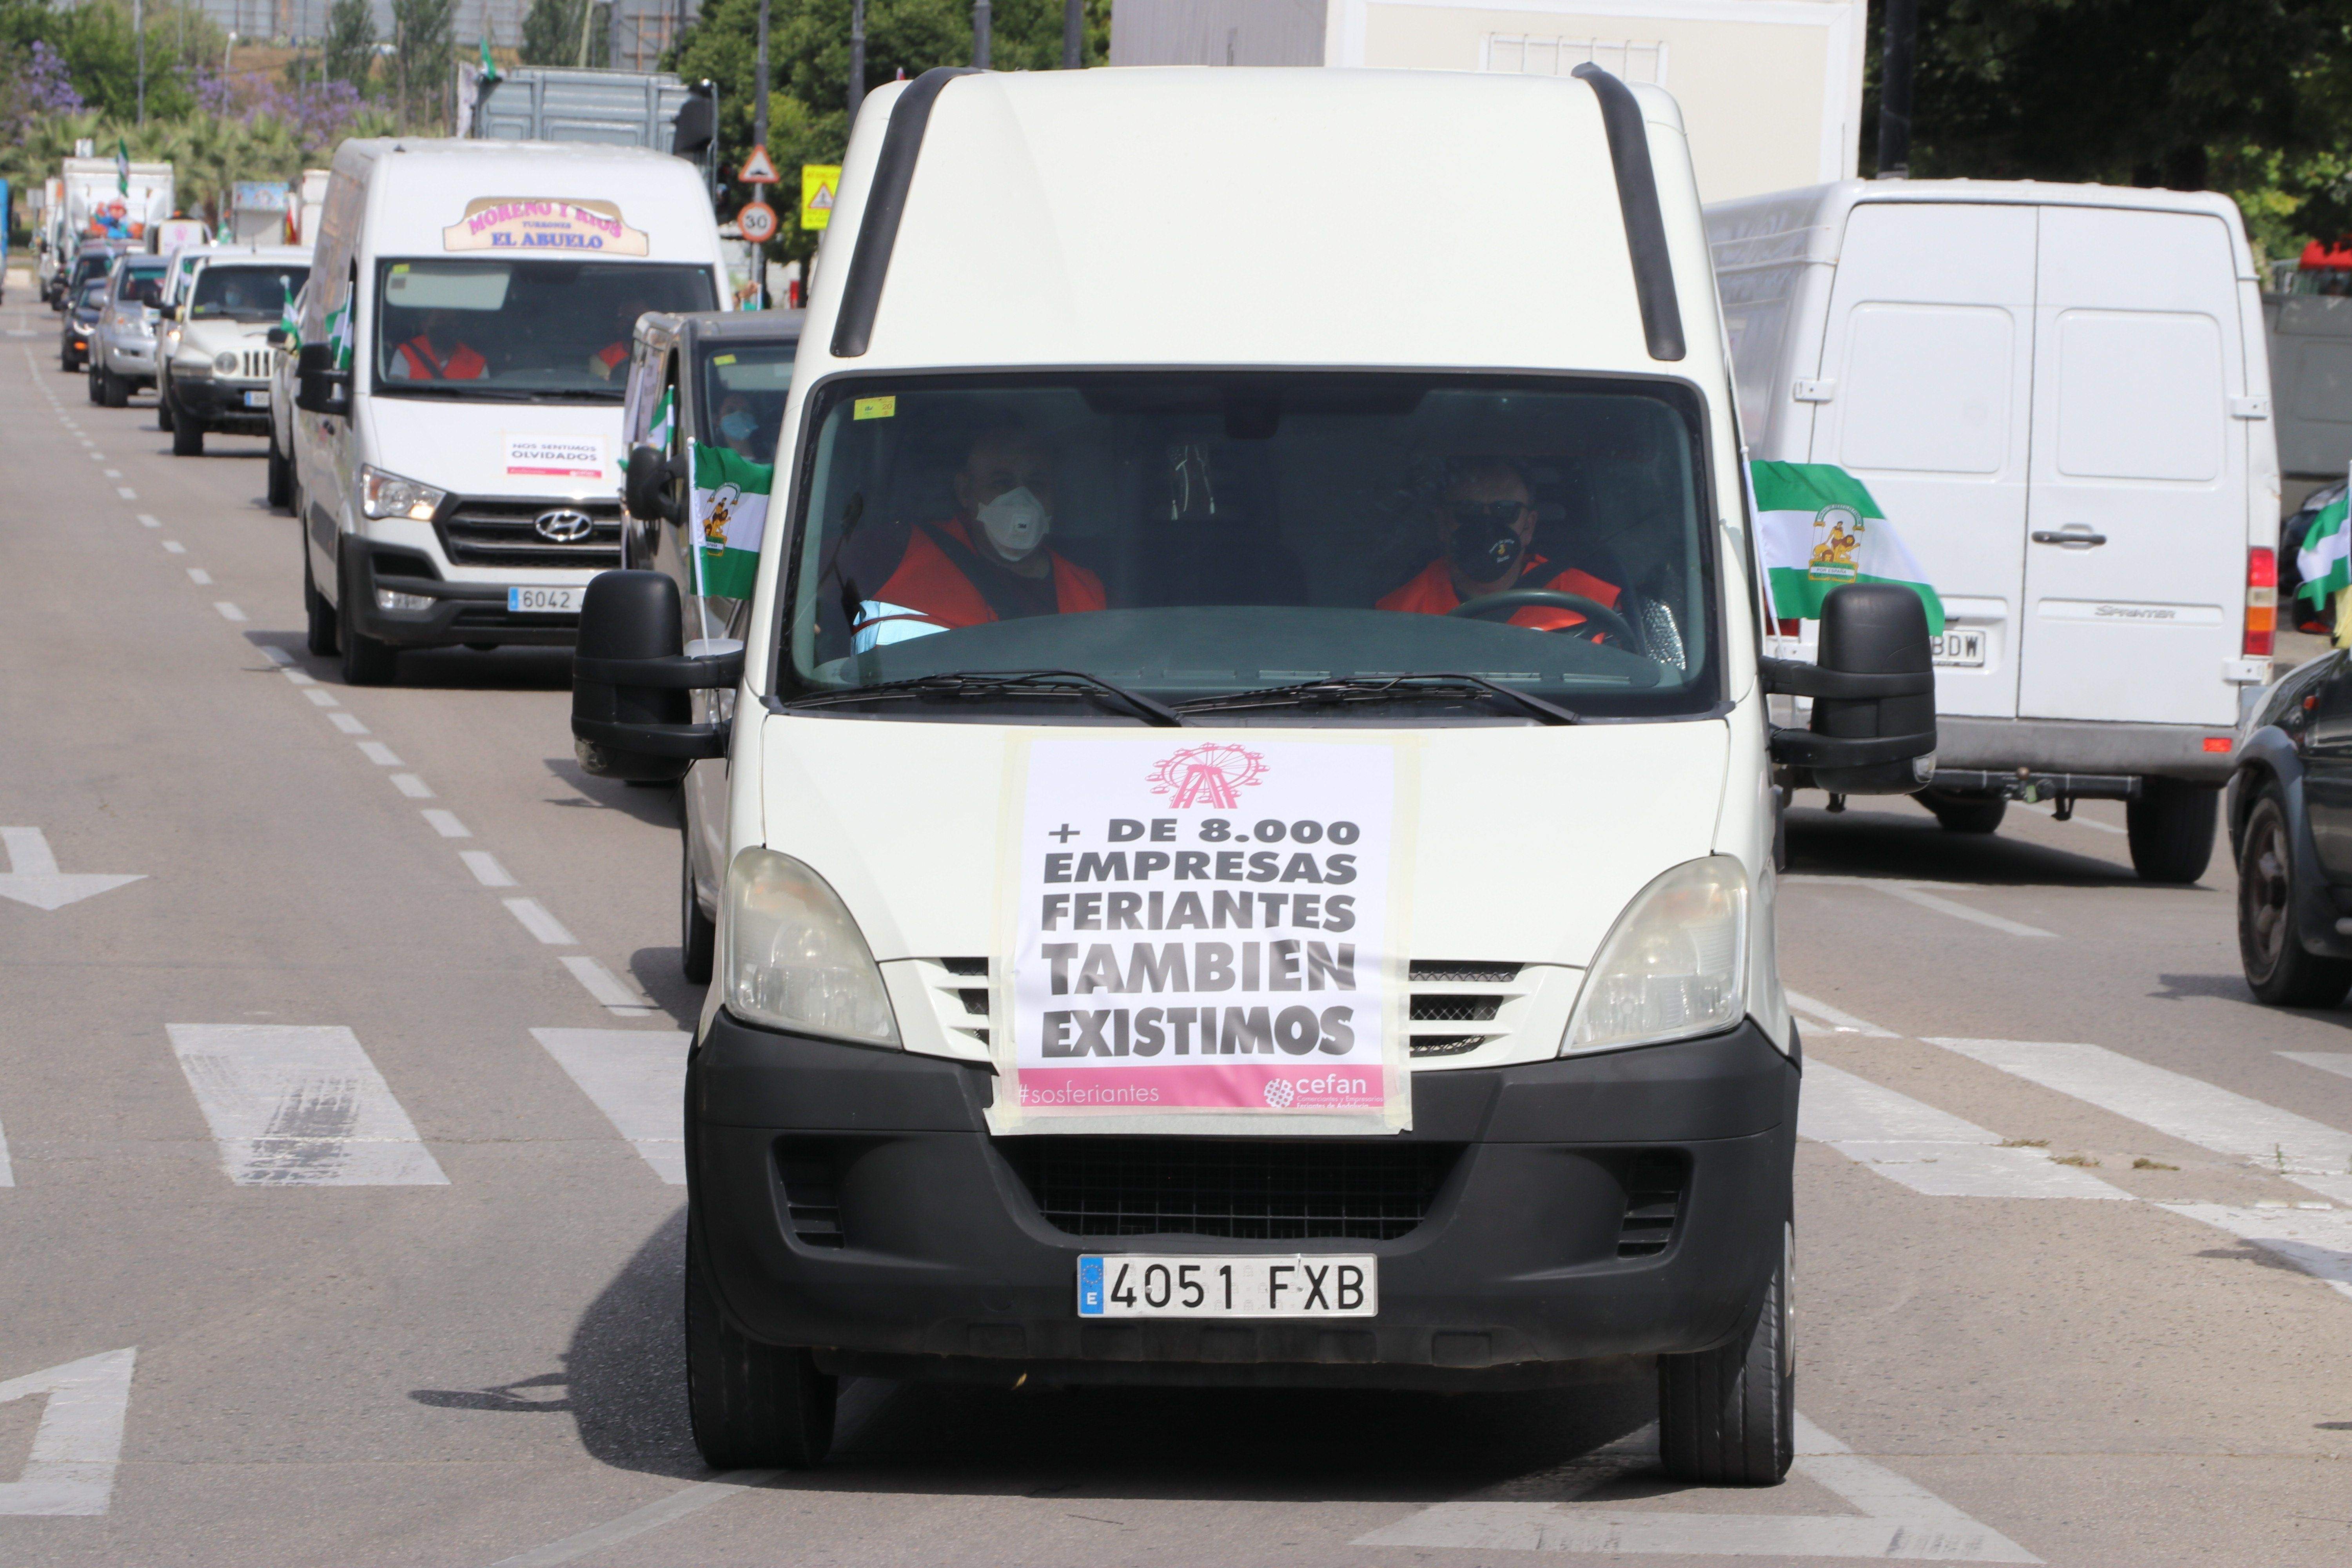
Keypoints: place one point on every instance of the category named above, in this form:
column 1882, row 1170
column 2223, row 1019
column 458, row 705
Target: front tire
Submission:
column 698, row 933
column 188, row 437
column 2280, row 971
column 2170, row 829
column 320, row 614
column 367, row 661
column 113, row 392
column 163, row 405
column 752, row 1406
column 1726, row 1417
column 280, row 475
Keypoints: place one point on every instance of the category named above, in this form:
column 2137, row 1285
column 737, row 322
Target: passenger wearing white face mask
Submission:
column 988, row 563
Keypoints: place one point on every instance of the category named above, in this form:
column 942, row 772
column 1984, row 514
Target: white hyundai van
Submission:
column 2059, row 395
column 465, row 349
column 1248, row 843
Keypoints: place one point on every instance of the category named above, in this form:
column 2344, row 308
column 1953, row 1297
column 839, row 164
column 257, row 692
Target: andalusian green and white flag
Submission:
column 664, row 423
column 1818, row 530
column 339, row 333
column 2326, row 558
column 731, row 509
column 292, row 320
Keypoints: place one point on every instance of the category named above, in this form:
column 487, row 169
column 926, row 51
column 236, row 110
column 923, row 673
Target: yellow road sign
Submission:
column 820, row 182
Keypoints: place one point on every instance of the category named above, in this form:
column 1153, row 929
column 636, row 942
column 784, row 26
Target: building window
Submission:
column 1524, row 54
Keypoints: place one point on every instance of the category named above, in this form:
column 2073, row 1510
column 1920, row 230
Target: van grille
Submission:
column 479, row 531
column 1241, row 1189
column 253, row 364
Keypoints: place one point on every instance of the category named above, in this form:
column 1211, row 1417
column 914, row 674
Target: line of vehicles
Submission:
column 1407, row 1013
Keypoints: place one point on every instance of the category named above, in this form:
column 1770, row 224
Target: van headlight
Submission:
column 792, row 956
column 1673, row 967
column 389, row 495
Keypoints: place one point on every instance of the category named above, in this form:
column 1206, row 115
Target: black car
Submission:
column 2290, row 821
column 2300, row 613
column 80, row 329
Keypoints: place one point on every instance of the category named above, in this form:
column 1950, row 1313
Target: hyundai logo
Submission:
column 563, row 526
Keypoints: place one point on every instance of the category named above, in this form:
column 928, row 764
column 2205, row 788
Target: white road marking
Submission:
column 276, row 654
column 2337, row 1062
column 33, row 877
column 1841, row 1023
column 486, row 869
column 1929, row 1151
column 228, row 612
column 126, row 493
column 446, row 824
column 616, row 998
column 110, row 473
column 8, row 1171
column 292, row 1105
column 349, row 723
column 637, row 1079
column 299, row 677
column 70, row 1469
column 1897, row 1519
column 379, row 754
column 199, row 577
column 2318, row 1244
column 320, row 696
column 629, row 1526
column 147, row 519
column 1916, row 893
column 2077, row 817
column 411, row 786
column 537, row 920
column 2173, row 1103
column 175, row 547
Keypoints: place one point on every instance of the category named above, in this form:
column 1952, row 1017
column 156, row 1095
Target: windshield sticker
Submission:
column 1205, row 934
column 532, row 223
column 874, row 408
column 560, row 456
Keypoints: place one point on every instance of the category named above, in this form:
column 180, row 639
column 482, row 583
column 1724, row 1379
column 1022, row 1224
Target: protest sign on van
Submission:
column 1206, row 931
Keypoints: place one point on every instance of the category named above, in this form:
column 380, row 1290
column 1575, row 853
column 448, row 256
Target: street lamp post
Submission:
column 139, row 25
column 857, row 57
column 1900, row 63
column 760, row 139
column 1074, row 34
column 980, row 34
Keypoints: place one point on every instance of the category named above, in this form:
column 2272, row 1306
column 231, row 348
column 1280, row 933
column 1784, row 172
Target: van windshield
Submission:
column 742, row 398
column 245, row 293
column 142, row 283
column 1195, row 536
column 515, row 331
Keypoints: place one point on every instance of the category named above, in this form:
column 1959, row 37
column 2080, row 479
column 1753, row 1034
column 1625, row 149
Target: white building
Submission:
column 1770, row 90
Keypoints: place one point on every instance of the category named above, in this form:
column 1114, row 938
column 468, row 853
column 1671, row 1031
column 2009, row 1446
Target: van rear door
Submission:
column 1926, row 372
column 2138, row 511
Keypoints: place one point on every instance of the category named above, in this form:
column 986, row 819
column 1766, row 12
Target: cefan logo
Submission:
column 1211, row 776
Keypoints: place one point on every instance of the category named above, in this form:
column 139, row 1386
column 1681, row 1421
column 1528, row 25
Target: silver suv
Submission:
column 122, row 359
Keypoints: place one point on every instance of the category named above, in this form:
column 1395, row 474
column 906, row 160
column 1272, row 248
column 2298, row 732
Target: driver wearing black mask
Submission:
column 1486, row 524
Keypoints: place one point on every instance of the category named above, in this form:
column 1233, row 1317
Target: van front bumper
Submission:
column 851, row 1200
column 452, row 613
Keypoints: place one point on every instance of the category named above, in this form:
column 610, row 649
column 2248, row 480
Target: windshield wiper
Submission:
column 1381, row 689
column 1002, row 683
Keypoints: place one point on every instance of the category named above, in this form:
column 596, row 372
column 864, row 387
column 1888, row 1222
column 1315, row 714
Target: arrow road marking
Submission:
column 71, row 1467
column 33, row 877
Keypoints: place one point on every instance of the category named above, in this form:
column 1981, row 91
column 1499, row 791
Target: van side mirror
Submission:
column 631, row 718
column 645, row 490
column 1873, row 692
column 278, row 338
column 319, row 386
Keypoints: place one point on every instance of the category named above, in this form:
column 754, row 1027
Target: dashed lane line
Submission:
column 445, row 823
column 486, row 869
column 174, row 547
column 411, row 786
column 534, row 918
column 1916, row 894
column 2337, row 1062
column 228, row 611
column 199, row 577
column 349, row 723
column 606, row 988
column 1831, row 1019
column 379, row 754
column 8, row 1171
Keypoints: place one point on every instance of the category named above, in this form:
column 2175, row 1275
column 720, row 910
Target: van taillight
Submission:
column 2261, row 600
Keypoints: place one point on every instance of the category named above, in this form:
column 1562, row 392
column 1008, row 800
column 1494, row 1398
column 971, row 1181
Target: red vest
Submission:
column 929, row 588
column 1431, row 593
column 611, row 355
column 463, row 364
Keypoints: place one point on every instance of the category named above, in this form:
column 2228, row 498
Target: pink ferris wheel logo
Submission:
column 1211, row 775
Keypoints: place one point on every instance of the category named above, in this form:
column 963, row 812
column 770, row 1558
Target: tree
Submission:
column 422, row 33
column 552, row 33
column 351, row 42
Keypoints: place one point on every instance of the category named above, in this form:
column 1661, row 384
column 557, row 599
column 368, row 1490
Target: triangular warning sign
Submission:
column 823, row 200
column 757, row 169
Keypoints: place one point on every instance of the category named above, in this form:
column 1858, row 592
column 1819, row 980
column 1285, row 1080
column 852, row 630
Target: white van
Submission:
column 1171, row 932
column 465, row 349
column 2060, row 397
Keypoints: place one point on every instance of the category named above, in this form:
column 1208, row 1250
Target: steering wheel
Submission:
column 1597, row 615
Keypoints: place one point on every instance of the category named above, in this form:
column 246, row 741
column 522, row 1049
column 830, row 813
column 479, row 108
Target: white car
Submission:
column 218, row 377
column 285, row 341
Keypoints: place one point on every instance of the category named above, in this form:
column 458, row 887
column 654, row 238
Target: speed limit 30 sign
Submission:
column 757, row 220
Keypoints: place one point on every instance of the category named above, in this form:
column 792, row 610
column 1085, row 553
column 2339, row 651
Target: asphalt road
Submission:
column 340, row 1225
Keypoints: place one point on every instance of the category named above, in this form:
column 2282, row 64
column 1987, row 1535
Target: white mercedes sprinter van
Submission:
column 1249, row 828
column 464, row 347
column 2060, row 396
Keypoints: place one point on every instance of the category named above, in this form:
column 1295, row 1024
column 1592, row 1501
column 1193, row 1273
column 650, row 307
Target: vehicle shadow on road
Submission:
column 654, row 804
column 626, row 1373
column 488, row 670
column 1905, row 847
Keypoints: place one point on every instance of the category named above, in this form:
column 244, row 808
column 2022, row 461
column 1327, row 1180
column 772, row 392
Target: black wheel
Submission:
column 2171, row 829
column 1726, row 1417
column 367, row 661
column 1956, row 811
column 2280, row 969
column 188, row 438
column 113, row 392
column 320, row 639
column 282, row 476
column 92, row 378
column 752, row 1405
column 698, row 933
column 163, row 406
column 66, row 363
